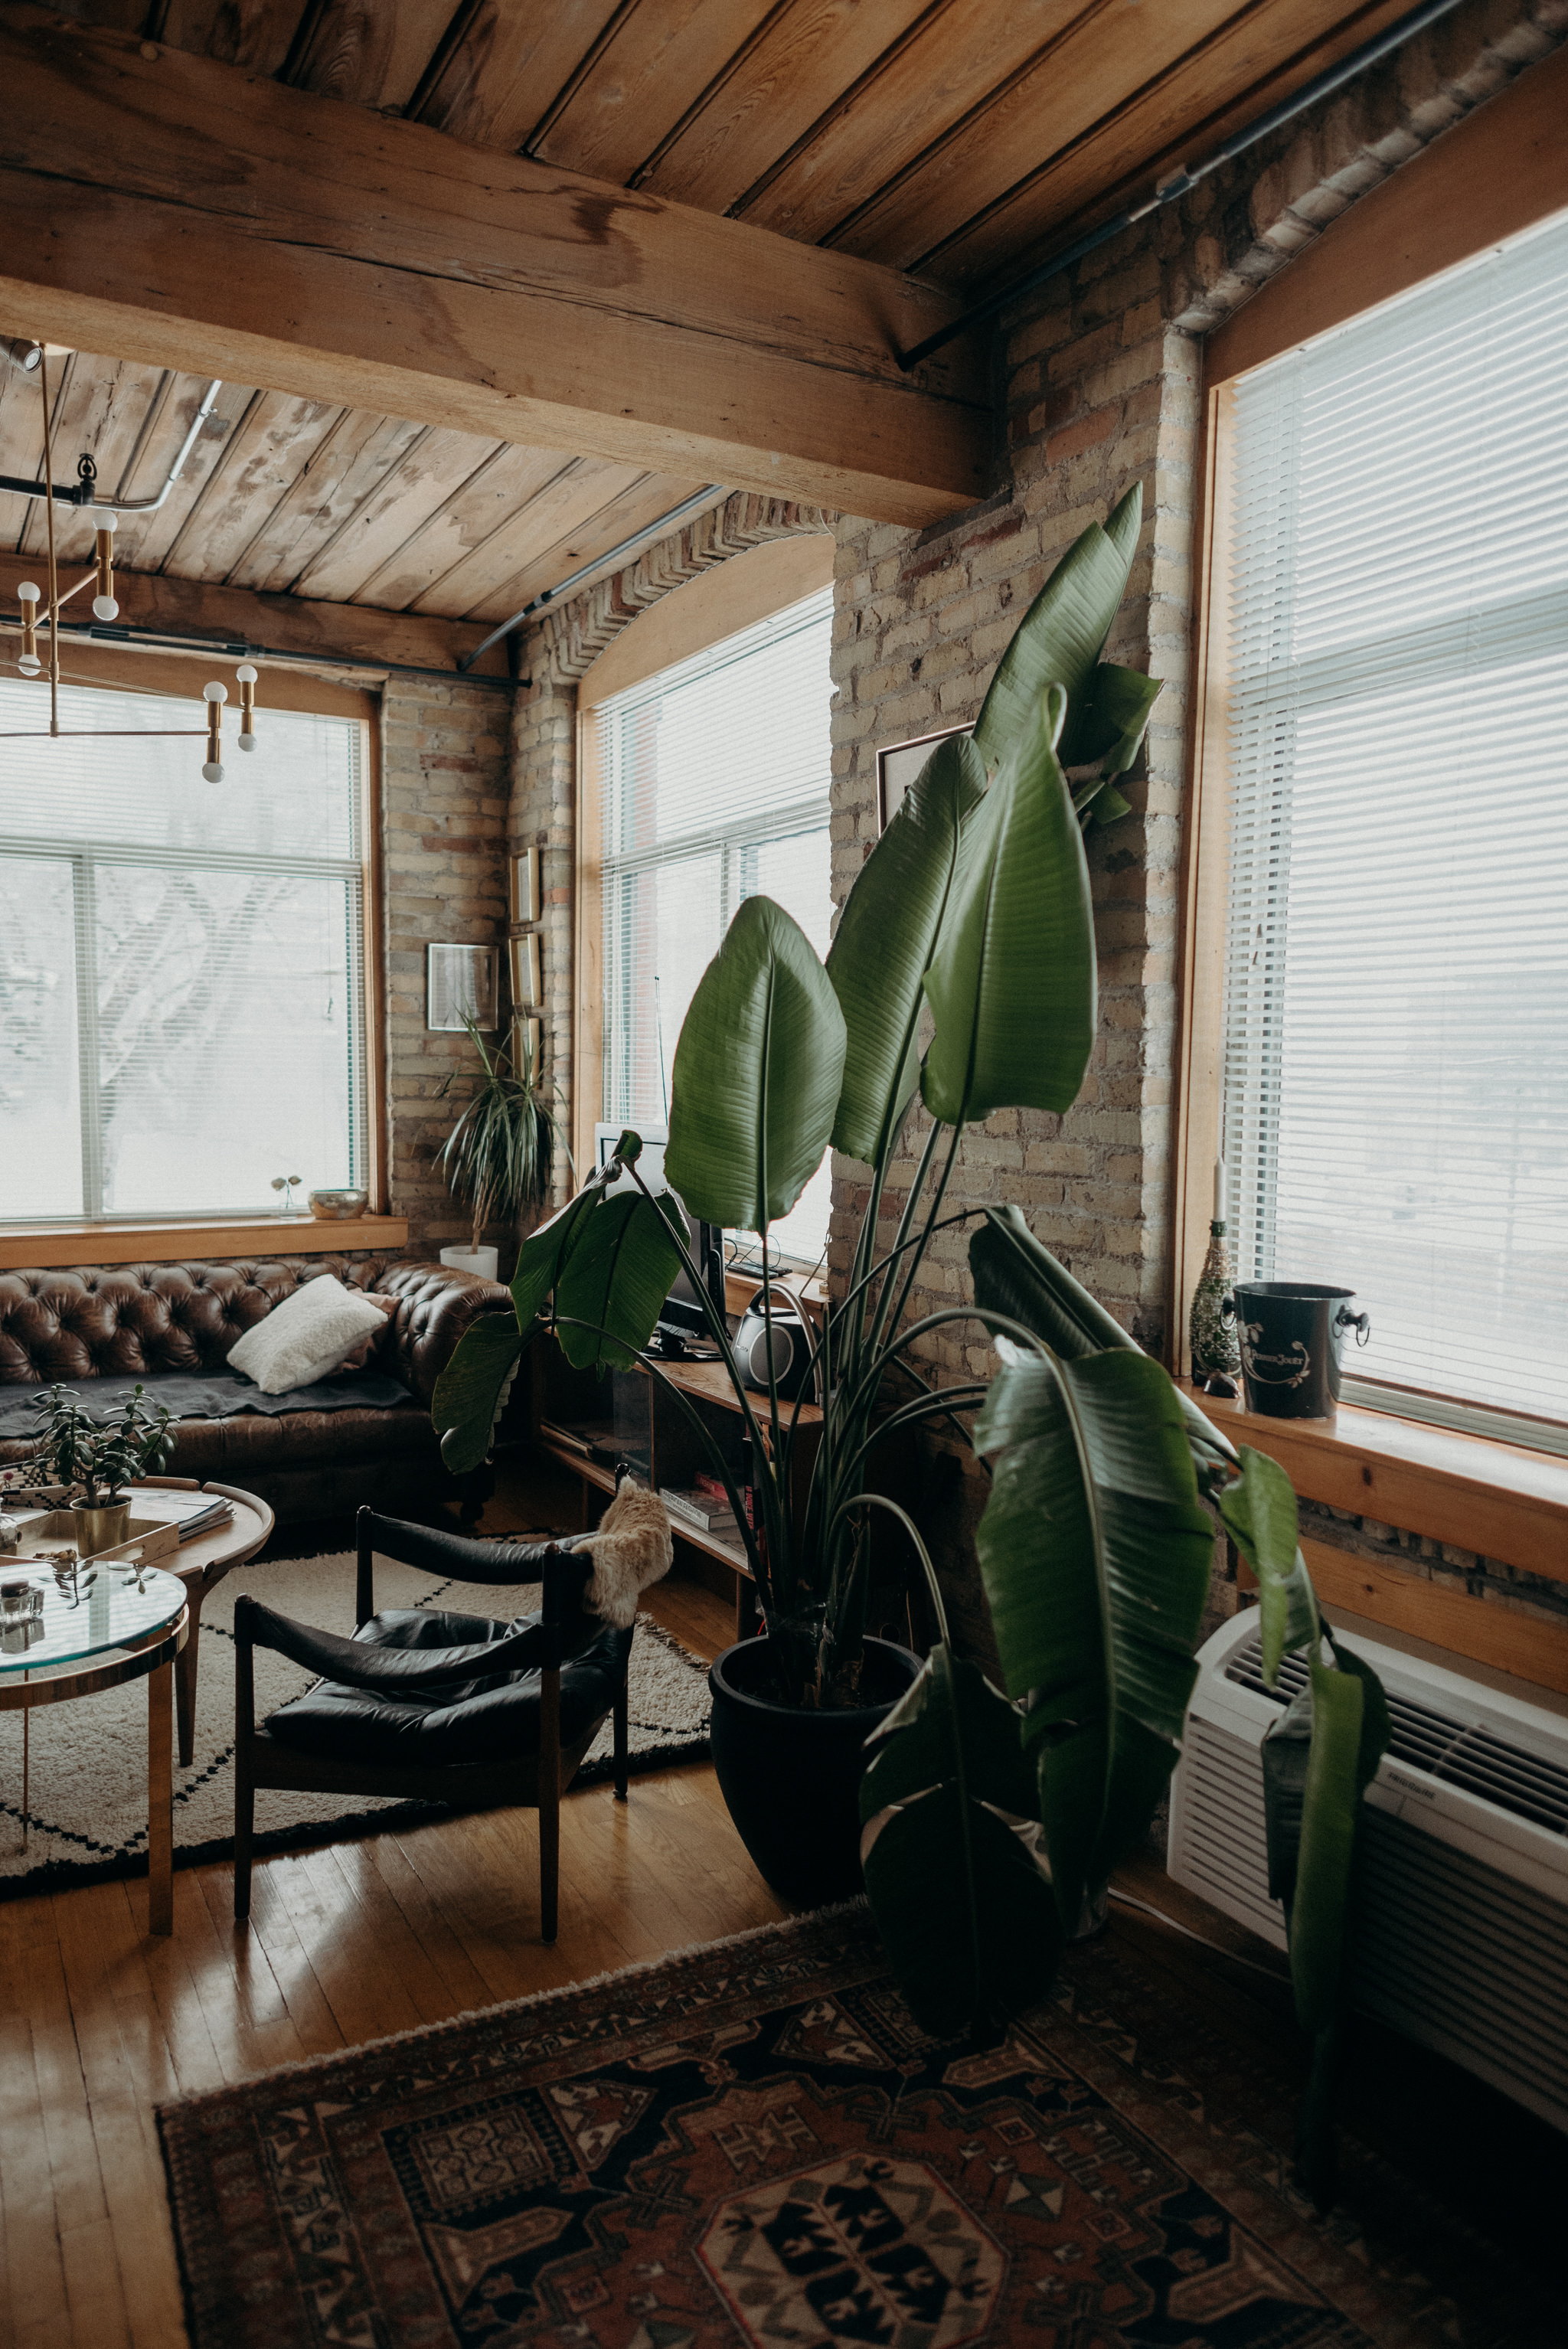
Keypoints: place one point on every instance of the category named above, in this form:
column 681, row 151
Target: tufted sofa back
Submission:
column 114, row 1321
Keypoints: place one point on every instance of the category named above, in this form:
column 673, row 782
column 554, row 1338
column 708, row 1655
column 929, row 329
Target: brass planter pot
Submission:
column 101, row 1529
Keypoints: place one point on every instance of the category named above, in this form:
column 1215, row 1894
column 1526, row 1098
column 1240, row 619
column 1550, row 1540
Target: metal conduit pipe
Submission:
column 607, row 561
column 86, row 490
column 1180, row 181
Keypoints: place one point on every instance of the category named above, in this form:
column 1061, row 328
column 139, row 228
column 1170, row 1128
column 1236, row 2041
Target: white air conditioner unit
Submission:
column 1462, row 1938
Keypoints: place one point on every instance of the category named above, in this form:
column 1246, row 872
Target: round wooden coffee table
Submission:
column 201, row 1564
column 124, row 1623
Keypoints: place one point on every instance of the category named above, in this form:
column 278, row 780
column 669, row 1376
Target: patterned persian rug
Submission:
column 89, row 1776
column 754, row 2143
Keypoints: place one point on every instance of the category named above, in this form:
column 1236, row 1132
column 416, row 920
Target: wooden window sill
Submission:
column 1498, row 1500
column 63, row 1244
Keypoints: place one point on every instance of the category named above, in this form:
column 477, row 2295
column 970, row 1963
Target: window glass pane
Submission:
column 294, row 795
column 1396, row 991
column 714, row 777
column 225, row 1045
column 201, row 957
column 663, row 928
column 40, row 1076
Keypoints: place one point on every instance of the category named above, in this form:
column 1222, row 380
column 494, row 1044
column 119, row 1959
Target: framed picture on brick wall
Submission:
column 898, row 766
column 461, row 982
column 522, row 887
column 527, row 974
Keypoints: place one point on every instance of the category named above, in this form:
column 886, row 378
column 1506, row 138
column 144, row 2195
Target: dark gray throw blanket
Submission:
column 207, row 1394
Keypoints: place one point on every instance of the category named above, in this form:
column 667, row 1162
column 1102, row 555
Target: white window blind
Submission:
column 1396, row 1067
column 181, row 1012
column 714, row 781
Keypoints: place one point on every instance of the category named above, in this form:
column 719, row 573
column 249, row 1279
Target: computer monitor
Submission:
column 682, row 1314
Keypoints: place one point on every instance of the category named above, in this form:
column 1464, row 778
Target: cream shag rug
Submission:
column 89, row 1778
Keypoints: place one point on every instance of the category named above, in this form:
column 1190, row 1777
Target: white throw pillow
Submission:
column 306, row 1337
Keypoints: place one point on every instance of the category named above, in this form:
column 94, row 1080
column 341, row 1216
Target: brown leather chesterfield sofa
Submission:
column 151, row 1321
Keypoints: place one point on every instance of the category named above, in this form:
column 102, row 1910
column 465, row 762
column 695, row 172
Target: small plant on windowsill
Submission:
column 500, row 1157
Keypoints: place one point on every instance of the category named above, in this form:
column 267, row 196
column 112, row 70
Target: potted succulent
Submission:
column 992, row 1820
column 97, row 1459
column 500, row 1157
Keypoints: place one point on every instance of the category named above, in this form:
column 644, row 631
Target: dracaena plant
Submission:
column 499, row 1156
column 975, row 906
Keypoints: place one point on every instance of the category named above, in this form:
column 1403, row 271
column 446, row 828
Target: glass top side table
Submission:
column 77, row 1633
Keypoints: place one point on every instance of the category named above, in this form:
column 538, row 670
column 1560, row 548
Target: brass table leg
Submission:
column 161, row 1799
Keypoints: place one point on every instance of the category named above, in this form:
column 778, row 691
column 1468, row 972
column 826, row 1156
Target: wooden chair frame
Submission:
column 531, row 1781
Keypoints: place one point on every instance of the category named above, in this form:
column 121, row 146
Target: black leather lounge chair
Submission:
column 440, row 1707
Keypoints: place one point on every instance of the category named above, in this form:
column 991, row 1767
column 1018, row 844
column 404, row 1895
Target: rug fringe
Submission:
column 789, row 1926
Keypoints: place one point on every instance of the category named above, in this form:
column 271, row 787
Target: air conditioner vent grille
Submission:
column 1457, row 1753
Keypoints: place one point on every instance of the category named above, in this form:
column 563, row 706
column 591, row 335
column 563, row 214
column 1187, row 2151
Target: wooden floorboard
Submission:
column 348, row 1942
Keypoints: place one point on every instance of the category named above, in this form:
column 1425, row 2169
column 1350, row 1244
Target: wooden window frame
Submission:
column 735, row 594
column 66, row 1240
column 1497, row 173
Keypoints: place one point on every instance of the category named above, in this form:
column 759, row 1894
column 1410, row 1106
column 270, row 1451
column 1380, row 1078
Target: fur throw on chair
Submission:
column 633, row 1547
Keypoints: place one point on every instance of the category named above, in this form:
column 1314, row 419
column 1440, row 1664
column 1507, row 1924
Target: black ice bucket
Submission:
column 1290, row 1333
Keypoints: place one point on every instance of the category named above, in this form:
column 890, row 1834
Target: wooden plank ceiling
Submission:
column 952, row 138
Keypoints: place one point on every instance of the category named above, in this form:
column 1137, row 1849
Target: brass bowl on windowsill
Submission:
column 338, row 1206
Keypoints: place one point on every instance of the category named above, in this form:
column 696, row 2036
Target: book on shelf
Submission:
column 701, row 1510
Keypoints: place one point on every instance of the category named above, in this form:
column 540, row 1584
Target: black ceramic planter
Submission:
column 791, row 1778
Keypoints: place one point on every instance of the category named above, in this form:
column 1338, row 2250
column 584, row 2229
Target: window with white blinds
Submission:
column 181, row 996
column 713, row 781
column 1396, row 1060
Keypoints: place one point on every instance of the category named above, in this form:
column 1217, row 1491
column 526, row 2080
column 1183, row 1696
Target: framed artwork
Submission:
column 461, row 982
column 530, row 1034
column 522, row 887
column 898, row 766
column 527, row 974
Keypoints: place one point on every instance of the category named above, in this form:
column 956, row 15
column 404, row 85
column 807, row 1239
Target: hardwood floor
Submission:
column 99, row 2022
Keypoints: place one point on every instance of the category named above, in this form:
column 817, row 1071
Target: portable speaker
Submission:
column 792, row 1374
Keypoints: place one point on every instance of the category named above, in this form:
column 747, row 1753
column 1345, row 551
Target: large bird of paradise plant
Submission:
column 974, row 908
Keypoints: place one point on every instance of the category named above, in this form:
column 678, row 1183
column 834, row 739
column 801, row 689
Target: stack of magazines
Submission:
column 195, row 1513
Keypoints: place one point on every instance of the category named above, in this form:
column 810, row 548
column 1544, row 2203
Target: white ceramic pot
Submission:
column 484, row 1261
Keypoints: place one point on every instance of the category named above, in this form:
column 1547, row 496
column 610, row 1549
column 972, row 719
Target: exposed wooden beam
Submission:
column 328, row 633
column 174, row 209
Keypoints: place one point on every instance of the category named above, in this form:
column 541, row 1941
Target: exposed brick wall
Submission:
column 444, row 780
column 543, row 815
column 1102, row 371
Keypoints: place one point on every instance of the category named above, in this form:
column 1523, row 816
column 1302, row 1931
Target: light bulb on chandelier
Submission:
column 36, row 606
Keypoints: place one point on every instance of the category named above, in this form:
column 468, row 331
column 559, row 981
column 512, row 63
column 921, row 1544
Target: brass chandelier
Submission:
column 34, row 358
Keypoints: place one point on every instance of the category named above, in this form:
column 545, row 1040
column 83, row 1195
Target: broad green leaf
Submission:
column 1095, row 1552
column 617, row 1278
column 885, row 942
column 1259, row 1514
column 1318, row 1760
column 1108, row 719
column 1013, row 984
column 1015, row 1274
column 758, row 1073
column 470, row 1390
column 1061, row 636
column 1108, row 806
column 960, row 1899
column 546, row 1250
